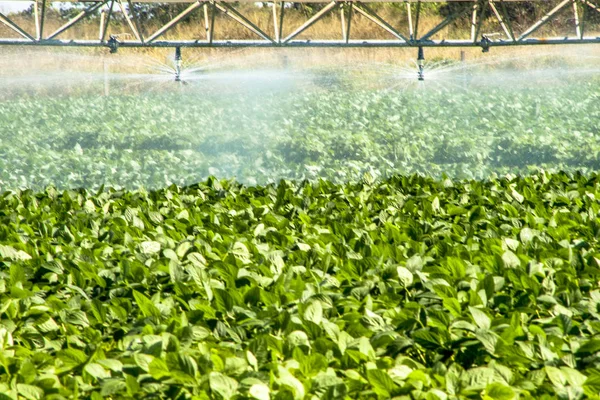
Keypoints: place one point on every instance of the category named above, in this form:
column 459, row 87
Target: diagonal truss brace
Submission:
column 236, row 16
column 447, row 21
column 174, row 21
column 136, row 20
column 105, row 21
column 323, row 12
column 545, row 19
column 8, row 22
column 483, row 7
column 134, row 29
column 76, row 19
column 372, row 16
column 591, row 5
column 500, row 19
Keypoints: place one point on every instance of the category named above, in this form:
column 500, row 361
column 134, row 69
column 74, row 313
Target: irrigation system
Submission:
column 572, row 16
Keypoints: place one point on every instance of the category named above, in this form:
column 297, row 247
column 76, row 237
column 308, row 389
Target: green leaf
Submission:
column 381, row 381
column 405, row 276
column 197, row 259
column 72, row 357
column 112, row 387
column 10, row 253
column 113, row 365
column 146, row 305
column 259, row 391
column 590, row 347
column 456, row 210
column 478, row 378
column 314, row 312
column 143, row 361
column 240, row 251
column 526, row 235
column 150, row 247
column 497, row 391
column 480, row 318
column 97, row 371
column 30, row 392
column 158, row 369
column 510, row 259
column 555, row 376
column 222, row 385
column 286, row 378
column 303, row 246
column 573, row 376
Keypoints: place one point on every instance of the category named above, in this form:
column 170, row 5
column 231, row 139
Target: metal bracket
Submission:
column 421, row 64
column 113, row 44
column 178, row 64
column 485, row 44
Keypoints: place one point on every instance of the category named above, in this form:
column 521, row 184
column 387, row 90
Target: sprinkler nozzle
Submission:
column 178, row 64
column 485, row 44
column 113, row 44
column 421, row 64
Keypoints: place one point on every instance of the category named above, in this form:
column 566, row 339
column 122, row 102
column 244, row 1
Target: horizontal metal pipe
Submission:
column 304, row 43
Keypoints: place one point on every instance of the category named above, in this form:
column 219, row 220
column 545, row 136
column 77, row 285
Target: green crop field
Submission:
column 155, row 139
column 330, row 242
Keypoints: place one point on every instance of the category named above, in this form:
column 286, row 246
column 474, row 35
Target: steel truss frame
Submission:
column 474, row 10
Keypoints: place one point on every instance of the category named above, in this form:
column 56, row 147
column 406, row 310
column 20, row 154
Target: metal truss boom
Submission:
column 468, row 24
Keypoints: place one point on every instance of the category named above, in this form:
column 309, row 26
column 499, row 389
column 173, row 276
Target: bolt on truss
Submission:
column 409, row 31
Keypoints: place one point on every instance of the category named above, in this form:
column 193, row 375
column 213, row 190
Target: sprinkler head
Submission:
column 421, row 64
column 113, row 44
column 178, row 63
column 485, row 44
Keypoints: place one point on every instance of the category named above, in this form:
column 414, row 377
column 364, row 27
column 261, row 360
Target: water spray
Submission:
column 178, row 63
column 421, row 64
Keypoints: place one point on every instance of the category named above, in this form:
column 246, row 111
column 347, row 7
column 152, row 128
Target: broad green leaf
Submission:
column 112, row 364
column 314, row 312
column 97, row 371
column 30, row 392
column 288, row 379
column 511, row 260
column 497, row 391
column 158, row 369
column 555, row 376
column 222, row 385
column 381, row 381
column 480, row 318
column 260, row 391
column 147, row 307
column 150, row 247
column 143, row 361
column 10, row 253
column 405, row 276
